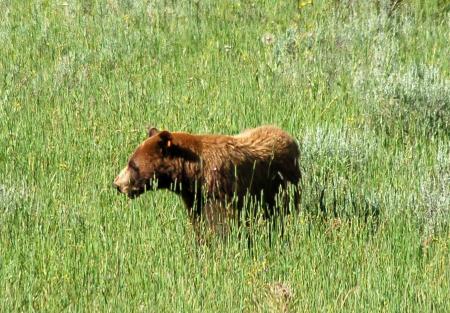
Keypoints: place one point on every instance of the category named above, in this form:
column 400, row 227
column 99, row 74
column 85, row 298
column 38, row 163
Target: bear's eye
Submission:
column 133, row 165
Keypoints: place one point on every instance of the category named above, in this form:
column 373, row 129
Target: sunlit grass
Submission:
column 364, row 89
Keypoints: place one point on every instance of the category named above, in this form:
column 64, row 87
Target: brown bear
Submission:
column 217, row 176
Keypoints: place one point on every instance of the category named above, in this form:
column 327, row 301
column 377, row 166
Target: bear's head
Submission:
column 153, row 160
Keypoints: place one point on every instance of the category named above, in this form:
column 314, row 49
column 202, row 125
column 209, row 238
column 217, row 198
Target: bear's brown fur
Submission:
column 215, row 174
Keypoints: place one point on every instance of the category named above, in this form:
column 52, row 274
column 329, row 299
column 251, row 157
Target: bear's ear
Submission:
column 166, row 139
column 152, row 131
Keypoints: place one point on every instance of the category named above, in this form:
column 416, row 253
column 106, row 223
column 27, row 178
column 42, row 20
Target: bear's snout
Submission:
column 122, row 181
column 115, row 185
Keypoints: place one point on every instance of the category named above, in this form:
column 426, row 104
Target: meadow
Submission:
column 363, row 85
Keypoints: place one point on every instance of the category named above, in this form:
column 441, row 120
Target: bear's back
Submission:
column 252, row 158
column 268, row 141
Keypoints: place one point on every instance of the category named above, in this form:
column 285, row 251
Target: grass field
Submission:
column 364, row 87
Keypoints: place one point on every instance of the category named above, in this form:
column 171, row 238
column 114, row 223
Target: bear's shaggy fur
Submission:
column 217, row 175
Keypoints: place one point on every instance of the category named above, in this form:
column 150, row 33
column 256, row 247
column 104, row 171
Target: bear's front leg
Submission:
column 194, row 206
column 216, row 217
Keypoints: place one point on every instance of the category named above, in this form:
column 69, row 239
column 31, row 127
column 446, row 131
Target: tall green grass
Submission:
column 364, row 87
